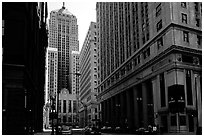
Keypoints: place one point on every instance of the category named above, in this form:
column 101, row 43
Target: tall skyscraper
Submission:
column 150, row 65
column 63, row 35
column 88, row 79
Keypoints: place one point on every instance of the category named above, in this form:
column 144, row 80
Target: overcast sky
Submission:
column 85, row 12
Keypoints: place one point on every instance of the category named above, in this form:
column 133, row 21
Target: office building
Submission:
column 63, row 35
column 50, row 83
column 88, row 110
column 24, row 43
column 150, row 64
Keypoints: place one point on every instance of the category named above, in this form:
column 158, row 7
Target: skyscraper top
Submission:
column 63, row 7
column 63, row 10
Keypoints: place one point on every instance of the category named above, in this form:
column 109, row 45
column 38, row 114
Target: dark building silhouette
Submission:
column 24, row 36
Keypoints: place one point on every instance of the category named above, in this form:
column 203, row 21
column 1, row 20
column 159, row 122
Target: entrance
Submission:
column 178, row 122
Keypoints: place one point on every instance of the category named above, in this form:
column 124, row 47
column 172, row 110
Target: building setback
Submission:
column 150, row 65
column 24, row 37
column 88, row 110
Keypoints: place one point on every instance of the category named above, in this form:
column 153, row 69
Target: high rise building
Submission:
column 150, row 65
column 24, row 43
column 63, row 35
column 74, row 68
column 88, row 80
column 50, row 82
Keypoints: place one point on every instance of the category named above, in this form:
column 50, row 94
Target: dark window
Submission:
column 64, row 119
column 64, row 106
column 185, row 36
column 95, row 110
column 158, row 10
column 184, row 18
column 162, row 90
column 189, row 88
column 159, row 25
column 198, row 22
column 183, row 4
column 160, row 43
column 187, row 59
column 176, row 99
column 196, row 6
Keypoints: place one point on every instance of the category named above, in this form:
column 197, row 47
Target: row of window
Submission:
column 146, row 53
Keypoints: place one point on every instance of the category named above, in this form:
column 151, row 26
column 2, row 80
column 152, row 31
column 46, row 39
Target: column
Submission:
column 108, row 112
column 122, row 109
column 112, row 110
column 129, row 108
column 135, row 109
column 117, row 108
column 144, row 106
column 102, row 113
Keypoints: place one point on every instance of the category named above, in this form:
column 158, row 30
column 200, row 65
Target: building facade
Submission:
column 63, row 35
column 88, row 110
column 74, row 78
column 67, row 108
column 24, row 43
column 50, row 83
column 150, row 65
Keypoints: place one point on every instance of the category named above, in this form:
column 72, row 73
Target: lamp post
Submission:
column 52, row 110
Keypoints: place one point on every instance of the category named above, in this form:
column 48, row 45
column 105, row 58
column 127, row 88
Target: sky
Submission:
column 85, row 12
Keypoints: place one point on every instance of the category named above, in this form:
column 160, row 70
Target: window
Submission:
column 64, row 119
column 196, row 6
column 198, row 22
column 160, row 43
column 183, row 4
column 64, row 106
column 184, row 18
column 189, row 87
column 146, row 53
column 162, row 90
column 158, row 10
column 185, row 36
column 159, row 25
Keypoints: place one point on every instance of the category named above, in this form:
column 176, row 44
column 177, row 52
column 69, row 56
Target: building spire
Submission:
column 63, row 5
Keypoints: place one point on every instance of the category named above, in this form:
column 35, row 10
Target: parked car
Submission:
column 66, row 130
